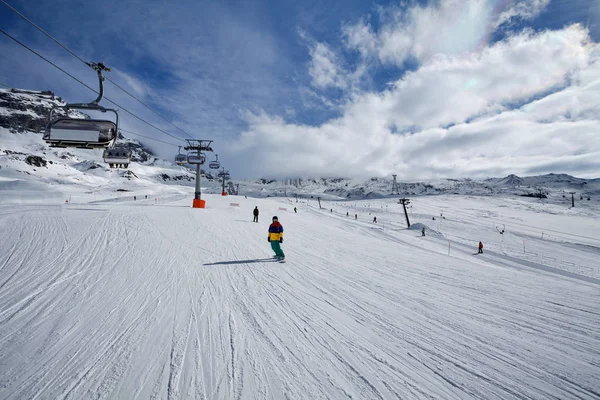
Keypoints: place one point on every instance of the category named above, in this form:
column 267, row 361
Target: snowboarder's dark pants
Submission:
column 277, row 248
column 255, row 218
column 480, row 251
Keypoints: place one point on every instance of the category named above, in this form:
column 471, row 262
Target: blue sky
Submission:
column 425, row 89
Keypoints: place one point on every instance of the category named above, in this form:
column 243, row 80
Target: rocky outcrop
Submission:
column 36, row 161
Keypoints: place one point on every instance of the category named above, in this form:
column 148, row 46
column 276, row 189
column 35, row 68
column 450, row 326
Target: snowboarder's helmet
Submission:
column 275, row 218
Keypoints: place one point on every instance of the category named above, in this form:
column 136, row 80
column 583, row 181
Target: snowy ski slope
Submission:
column 110, row 298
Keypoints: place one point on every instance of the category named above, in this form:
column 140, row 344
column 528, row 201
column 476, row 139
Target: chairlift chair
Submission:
column 181, row 159
column 117, row 157
column 196, row 158
column 215, row 164
column 67, row 131
column 83, row 133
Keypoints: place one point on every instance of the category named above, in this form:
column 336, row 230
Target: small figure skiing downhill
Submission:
column 275, row 237
column 480, row 248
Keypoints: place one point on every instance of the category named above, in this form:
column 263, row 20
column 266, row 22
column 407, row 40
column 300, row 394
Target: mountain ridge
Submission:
column 23, row 115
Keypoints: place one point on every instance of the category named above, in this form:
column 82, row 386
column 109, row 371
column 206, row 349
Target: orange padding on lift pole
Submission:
column 199, row 203
column 223, row 193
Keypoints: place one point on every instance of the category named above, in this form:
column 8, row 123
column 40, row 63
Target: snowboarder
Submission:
column 480, row 248
column 374, row 220
column 423, row 232
column 355, row 216
column 255, row 213
column 346, row 213
column 134, row 198
column 275, row 238
column 295, row 210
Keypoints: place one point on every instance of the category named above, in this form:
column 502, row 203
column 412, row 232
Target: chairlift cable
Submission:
column 6, row 86
column 147, row 137
column 44, row 32
column 89, row 65
column 48, row 61
column 147, row 106
column 87, row 86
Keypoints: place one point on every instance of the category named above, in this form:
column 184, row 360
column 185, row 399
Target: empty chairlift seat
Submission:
column 181, row 159
column 86, row 133
column 117, row 157
column 196, row 159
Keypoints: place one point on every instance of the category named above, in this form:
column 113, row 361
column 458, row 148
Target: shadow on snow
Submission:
column 256, row 260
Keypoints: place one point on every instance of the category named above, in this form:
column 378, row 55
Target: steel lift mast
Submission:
column 198, row 146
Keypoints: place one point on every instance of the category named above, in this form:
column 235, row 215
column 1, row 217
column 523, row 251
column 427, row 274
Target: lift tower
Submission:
column 404, row 203
column 395, row 189
column 197, row 157
column 224, row 175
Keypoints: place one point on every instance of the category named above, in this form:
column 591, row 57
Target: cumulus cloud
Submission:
column 528, row 103
column 452, row 27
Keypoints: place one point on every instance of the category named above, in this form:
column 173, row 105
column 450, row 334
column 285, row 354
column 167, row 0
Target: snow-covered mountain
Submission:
column 26, row 160
column 25, row 157
column 553, row 187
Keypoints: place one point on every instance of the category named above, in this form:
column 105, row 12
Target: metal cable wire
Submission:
column 89, row 64
column 147, row 106
column 87, row 86
column 148, row 137
column 44, row 32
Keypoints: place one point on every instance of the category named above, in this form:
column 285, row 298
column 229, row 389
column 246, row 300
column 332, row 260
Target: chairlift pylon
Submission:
column 67, row 131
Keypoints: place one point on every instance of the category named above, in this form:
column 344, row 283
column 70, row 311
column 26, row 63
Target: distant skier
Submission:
column 423, row 232
column 275, row 237
column 295, row 210
column 255, row 213
column 355, row 216
column 374, row 220
column 346, row 213
column 480, row 248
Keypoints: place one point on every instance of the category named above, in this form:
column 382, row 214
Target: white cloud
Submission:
column 323, row 69
column 452, row 27
column 361, row 38
column 131, row 83
column 524, row 9
column 554, row 74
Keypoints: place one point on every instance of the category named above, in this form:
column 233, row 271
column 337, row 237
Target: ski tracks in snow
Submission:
column 154, row 302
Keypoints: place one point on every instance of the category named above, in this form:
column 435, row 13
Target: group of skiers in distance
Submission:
column 275, row 233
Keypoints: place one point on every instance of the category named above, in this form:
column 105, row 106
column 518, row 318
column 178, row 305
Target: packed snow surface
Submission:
column 107, row 297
